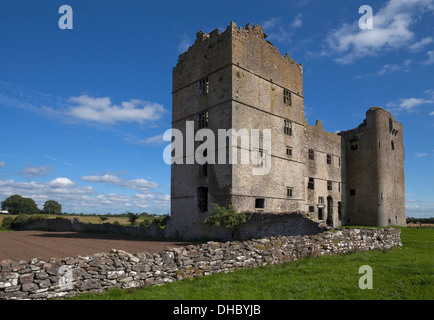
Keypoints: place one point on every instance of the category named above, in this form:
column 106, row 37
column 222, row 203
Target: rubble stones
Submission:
column 37, row 279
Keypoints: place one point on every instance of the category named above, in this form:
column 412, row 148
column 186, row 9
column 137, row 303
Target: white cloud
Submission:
column 140, row 184
column 421, row 155
column 410, row 103
column 74, row 198
column 418, row 208
column 270, row 23
column 59, row 189
column 298, row 21
column 388, row 68
column 391, row 30
column 154, row 140
column 158, row 139
column 185, row 43
column 431, row 113
column 106, row 178
column 135, row 184
column 61, row 183
column 2, row 164
column 30, row 171
column 430, row 92
column 102, row 110
column 279, row 32
column 422, row 43
column 430, row 59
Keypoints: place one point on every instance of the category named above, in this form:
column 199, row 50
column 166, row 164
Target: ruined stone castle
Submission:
column 236, row 79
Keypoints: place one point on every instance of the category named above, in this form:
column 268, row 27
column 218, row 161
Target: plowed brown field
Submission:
column 26, row 245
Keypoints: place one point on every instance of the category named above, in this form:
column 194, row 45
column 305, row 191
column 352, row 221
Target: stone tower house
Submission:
column 237, row 80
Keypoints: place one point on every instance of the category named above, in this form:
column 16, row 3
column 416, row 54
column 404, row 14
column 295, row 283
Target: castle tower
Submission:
column 236, row 80
column 374, row 154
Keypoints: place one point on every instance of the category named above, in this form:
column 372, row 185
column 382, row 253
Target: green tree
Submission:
column 52, row 207
column 228, row 218
column 17, row 205
column 132, row 217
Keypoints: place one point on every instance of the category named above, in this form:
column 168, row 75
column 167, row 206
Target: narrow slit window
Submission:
column 329, row 185
column 354, row 144
column 311, row 154
column 311, row 184
column 287, row 99
column 289, row 192
column 287, row 127
column 203, row 170
column 289, row 151
column 203, row 86
column 329, row 159
column 203, row 120
column 260, row 157
column 202, row 199
column 320, row 213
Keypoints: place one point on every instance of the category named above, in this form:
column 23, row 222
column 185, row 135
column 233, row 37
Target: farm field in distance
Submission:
column 122, row 220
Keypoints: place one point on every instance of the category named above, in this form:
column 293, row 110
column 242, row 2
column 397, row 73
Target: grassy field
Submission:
column 398, row 274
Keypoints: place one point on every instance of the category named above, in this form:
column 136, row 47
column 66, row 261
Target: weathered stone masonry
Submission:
column 37, row 279
column 237, row 79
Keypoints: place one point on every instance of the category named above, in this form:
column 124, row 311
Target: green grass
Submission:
column 405, row 273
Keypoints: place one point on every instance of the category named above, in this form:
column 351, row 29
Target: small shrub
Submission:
column 25, row 219
column 228, row 218
column 162, row 221
column 7, row 222
column 145, row 223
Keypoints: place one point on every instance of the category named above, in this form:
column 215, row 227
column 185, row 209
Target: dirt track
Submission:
column 25, row 245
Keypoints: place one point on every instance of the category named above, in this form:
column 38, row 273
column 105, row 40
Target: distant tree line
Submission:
column 114, row 215
column 420, row 220
column 17, row 204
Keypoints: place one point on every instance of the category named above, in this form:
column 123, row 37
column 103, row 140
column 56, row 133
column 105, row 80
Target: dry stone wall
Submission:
column 37, row 279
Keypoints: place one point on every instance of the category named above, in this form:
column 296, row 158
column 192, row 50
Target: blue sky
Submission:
column 82, row 111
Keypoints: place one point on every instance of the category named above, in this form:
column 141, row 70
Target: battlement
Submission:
column 232, row 28
column 236, row 47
